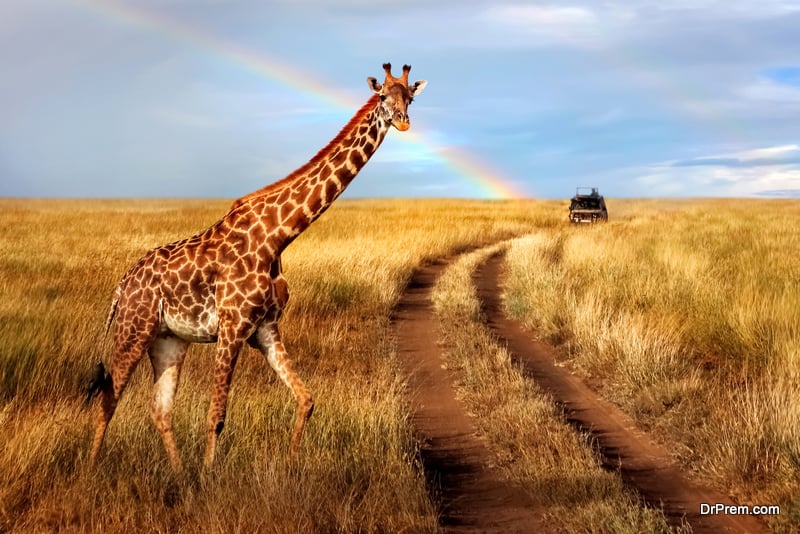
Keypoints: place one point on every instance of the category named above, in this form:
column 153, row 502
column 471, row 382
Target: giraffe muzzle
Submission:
column 403, row 126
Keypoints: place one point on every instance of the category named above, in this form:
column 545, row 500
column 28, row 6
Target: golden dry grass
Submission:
column 532, row 443
column 684, row 312
column 687, row 313
column 59, row 264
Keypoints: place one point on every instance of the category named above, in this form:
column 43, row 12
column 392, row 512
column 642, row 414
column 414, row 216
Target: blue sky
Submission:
column 642, row 98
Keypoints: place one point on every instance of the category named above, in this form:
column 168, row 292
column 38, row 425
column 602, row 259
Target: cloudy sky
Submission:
column 215, row 98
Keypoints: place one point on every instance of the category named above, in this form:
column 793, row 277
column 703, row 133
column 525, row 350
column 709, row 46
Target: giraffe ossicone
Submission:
column 225, row 283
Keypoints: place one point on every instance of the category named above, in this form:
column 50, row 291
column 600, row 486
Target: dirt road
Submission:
column 474, row 497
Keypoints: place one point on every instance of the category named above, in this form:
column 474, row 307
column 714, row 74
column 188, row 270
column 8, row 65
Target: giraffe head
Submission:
column 396, row 94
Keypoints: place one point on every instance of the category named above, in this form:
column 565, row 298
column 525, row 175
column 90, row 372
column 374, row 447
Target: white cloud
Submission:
column 771, row 91
column 755, row 180
column 536, row 25
column 534, row 15
column 748, row 172
column 757, row 153
column 717, row 8
column 752, row 157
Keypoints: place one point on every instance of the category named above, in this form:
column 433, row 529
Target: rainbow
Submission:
column 487, row 182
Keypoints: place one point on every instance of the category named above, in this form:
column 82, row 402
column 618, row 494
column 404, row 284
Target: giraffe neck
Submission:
column 299, row 199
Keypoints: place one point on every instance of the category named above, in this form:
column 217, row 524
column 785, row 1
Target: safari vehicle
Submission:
column 587, row 206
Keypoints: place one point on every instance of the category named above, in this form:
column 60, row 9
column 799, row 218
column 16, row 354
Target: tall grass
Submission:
column 358, row 471
column 535, row 448
column 688, row 315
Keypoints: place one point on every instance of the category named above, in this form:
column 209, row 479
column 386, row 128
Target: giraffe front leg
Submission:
column 166, row 356
column 227, row 354
column 270, row 344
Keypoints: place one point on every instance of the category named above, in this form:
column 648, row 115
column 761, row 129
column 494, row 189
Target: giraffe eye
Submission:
column 383, row 98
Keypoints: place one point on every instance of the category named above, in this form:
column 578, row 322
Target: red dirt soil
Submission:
column 473, row 497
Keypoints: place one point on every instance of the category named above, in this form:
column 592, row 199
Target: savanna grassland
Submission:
column 685, row 313
column 59, row 264
column 532, row 445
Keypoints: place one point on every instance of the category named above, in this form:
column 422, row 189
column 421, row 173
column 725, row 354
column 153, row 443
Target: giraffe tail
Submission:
column 100, row 379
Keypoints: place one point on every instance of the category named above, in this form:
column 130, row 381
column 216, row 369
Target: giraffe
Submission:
column 225, row 284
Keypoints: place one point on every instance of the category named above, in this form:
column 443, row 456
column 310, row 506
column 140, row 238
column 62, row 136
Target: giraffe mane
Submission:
column 322, row 154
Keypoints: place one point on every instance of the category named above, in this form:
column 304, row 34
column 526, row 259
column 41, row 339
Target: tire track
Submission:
column 473, row 497
column 642, row 464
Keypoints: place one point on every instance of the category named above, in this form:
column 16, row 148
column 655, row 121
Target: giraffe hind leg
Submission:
column 129, row 347
column 166, row 356
column 269, row 342
column 111, row 387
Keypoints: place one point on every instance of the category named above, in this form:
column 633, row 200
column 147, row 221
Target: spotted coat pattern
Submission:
column 225, row 284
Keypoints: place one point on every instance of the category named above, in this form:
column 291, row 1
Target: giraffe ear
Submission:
column 374, row 85
column 417, row 87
